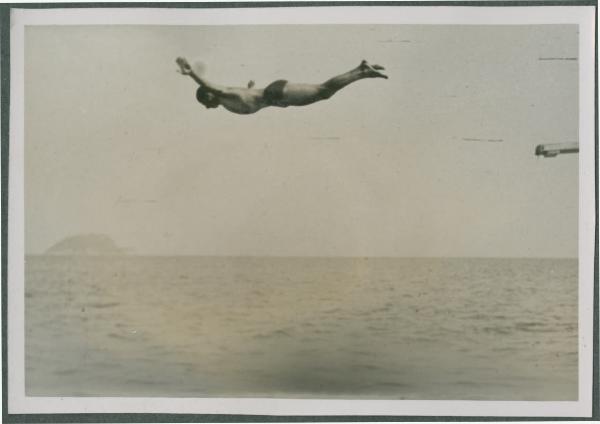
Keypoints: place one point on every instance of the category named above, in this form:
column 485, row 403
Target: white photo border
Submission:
column 584, row 16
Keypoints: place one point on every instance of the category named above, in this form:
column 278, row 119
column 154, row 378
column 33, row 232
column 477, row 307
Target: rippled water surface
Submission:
column 494, row 329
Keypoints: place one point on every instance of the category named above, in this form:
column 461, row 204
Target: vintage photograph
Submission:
column 303, row 211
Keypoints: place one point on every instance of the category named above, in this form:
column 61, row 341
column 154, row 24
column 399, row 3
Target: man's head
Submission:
column 206, row 98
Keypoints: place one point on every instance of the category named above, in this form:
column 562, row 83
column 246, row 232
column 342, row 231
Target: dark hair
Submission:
column 206, row 98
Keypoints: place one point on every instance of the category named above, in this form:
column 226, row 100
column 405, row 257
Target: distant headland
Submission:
column 86, row 244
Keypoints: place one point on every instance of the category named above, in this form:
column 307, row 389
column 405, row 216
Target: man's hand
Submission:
column 184, row 66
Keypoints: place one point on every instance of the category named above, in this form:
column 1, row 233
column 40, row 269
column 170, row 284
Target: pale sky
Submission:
column 115, row 142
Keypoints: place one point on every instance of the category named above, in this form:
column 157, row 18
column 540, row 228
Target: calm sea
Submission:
column 494, row 329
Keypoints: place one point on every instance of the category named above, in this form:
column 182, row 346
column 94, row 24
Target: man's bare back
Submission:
column 280, row 93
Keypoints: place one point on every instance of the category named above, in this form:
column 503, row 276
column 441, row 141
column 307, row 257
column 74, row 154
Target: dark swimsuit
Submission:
column 273, row 93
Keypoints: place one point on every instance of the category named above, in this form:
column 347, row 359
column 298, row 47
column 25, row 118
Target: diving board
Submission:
column 553, row 150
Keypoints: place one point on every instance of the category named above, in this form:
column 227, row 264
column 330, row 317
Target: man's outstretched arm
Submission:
column 186, row 69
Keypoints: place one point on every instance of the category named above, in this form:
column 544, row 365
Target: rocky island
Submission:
column 86, row 244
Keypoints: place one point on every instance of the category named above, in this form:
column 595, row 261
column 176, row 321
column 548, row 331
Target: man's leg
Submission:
column 305, row 94
column 364, row 70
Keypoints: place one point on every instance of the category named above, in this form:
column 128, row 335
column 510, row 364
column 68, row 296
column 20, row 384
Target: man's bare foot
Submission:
column 372, row 70
column 184, row 66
